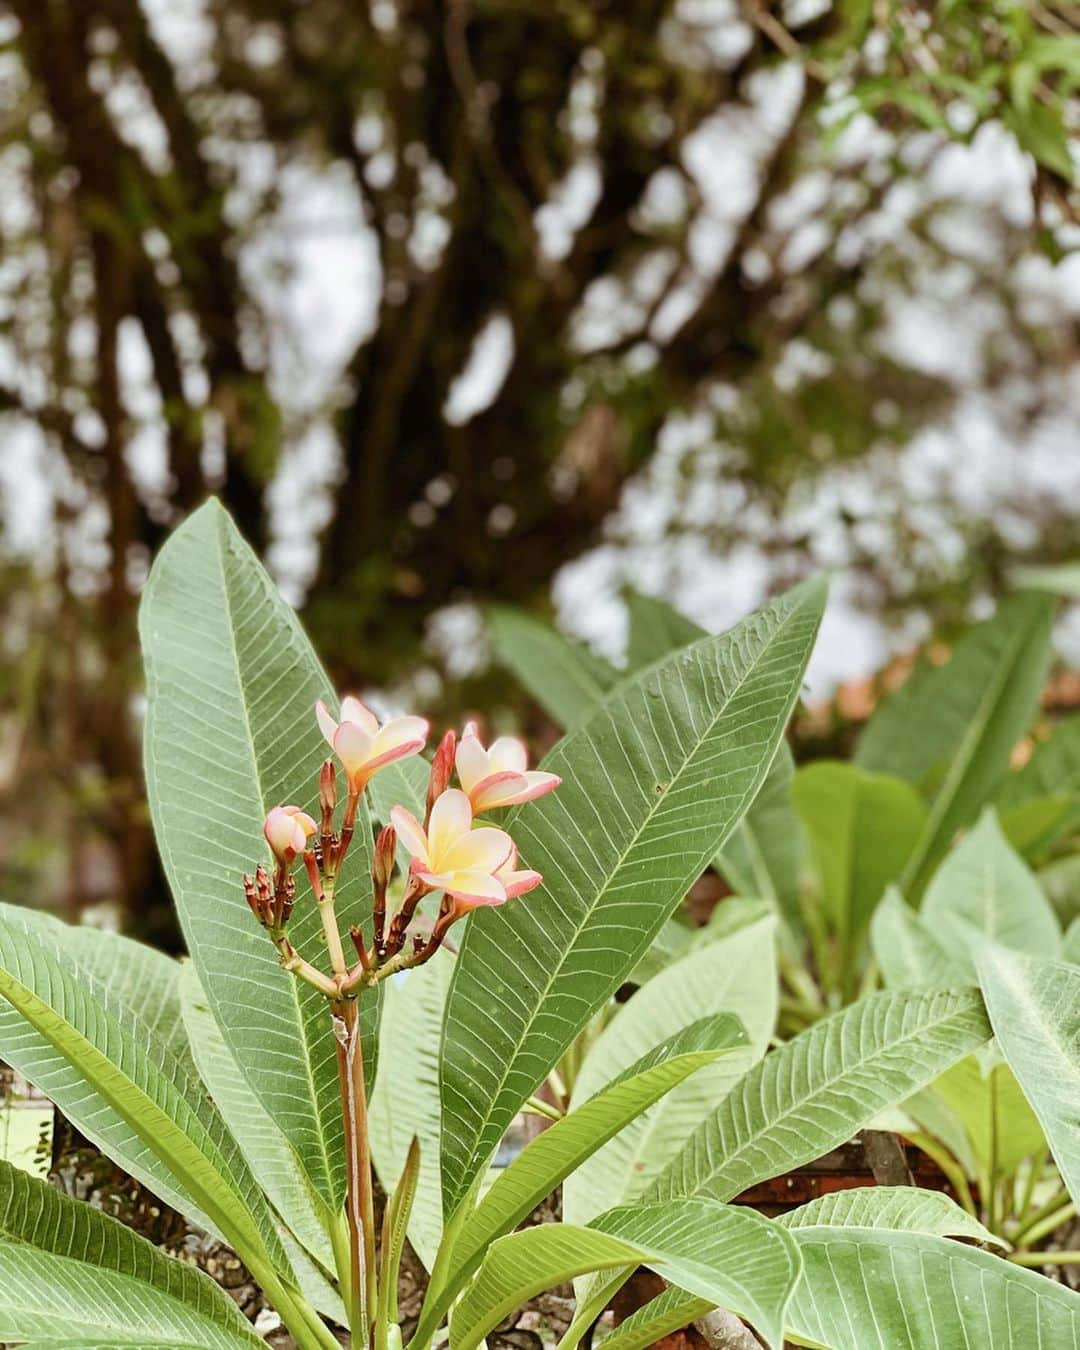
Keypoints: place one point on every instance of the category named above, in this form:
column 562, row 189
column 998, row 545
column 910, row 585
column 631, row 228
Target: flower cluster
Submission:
column 470, row 864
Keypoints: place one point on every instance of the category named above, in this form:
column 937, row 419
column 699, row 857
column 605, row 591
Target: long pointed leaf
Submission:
column 127, row 1094
column 1034, row 1007
column 37, row 1214
column 960, row 721
column 814, row 1092
column 652, row 785
column 230, row 732
column 732, row 1258
column 562, row 1147
column 867, row 1289
column 46, row 1295
column 564, row 677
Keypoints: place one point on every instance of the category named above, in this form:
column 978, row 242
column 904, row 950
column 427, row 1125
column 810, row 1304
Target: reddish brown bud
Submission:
column 442, row 770
column 328, row 788
column 382, row 866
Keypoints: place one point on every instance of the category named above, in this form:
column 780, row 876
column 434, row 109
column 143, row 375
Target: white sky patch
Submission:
column 475, row 387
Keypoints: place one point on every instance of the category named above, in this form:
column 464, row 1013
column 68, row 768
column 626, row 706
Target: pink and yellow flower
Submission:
column 287, row 830
column 362, row 745
column 498, row 775
column 453, row 857
column 514, row 882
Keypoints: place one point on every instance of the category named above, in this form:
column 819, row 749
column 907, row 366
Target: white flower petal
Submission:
column 451, row 818
column 507, row 755
column 352, row 710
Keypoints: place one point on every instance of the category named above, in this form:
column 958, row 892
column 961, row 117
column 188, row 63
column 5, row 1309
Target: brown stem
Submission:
column 414, row 893
column 359, row 1203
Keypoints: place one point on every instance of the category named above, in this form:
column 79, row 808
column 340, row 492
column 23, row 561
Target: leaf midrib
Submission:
column 495, row 1096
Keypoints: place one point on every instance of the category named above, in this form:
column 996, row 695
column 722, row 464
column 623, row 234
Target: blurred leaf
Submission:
column 909, row 955
column 961, row 720
column 862, row 828
column 762, row 856
column 656, row 630
column 564, row 677
column 984, row 888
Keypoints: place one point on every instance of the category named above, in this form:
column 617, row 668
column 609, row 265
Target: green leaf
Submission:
column 866, row 1289
column 960, row 721
column 554, row 1154
column 1035, row 1010
column 907, row 1209
column 652, row 784
column 405, row 1104
column 37, row 1214
column 564, row 677
column 269, row 1154
column 898, row 1208
column 656, row 630
column 735, row 974
column 909, row 955
column 998, row 1126
column 732, row 1258
column 983, row 887
column 230, row 732
column 862, row 829
column 816, row 1091
column 1053, row 769
column 762, row 856
column 127, row 1093
column 1061, row 580
column 143, row 981
column 1042, row 132
column 42, row 1295
column 1070, row 943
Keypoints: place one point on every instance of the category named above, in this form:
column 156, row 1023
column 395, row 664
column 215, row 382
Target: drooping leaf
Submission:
column 1035, row 1010
column 405, row 1103
column 230, row 732
column 908, row 1209
column 909, row 955
column 762, row 856
column 958, row 723
column 555, row 1153
column 652, row 784
column 868, row 1289
column 896, row 1208
column 126, row 1093
column 735, row 974
column 983, row 887
column 862, row 828
column 69, row 1301
column 37, row 1214
column 732, row 1258
column 817, row 1090
column 269, row 1154
column 564, row 677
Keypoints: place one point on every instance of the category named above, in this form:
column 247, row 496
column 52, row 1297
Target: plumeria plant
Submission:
column 261, row 1085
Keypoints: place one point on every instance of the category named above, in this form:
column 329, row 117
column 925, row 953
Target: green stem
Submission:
column 1036, row 1166
column 1036, row 1231
column 1045, row 1258
column 542, row 1108
column 1056, row 1201
column 359, row 1202
column 948, row 1164
column 992, row 1166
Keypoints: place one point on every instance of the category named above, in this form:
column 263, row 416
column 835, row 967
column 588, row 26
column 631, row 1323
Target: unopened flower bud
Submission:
column 287, row 830
column 382, row 866
column 442, row 769
column 328, row 788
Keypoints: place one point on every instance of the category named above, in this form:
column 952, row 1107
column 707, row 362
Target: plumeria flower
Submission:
column 362, row 745
column 287, row 830
column 451, row 856
column 516, row 883
column 497, row 776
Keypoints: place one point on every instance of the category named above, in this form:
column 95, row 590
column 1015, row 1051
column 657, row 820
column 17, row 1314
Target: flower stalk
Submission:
column 470, row 865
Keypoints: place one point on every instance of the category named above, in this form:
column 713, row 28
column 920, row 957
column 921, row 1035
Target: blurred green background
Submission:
column 464, row 302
